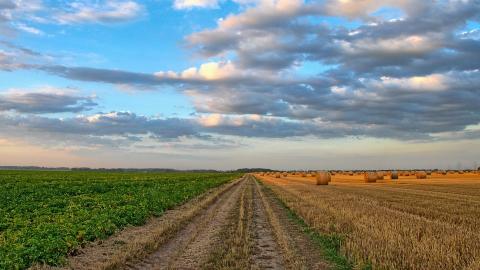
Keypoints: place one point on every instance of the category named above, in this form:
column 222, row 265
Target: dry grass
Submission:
column 403, row 224
column 292, row 259
column 237, row 248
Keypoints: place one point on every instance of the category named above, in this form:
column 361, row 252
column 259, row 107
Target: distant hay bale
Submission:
column 421, row 175
column 370, row 177
column 277, row 175
column 394, row 175
column 380, row 175
column 323, row 178
column 429, row 173
column 285, row 174
column 303, row 174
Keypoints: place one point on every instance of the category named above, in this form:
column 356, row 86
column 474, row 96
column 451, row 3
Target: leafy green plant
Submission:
column 44, row 216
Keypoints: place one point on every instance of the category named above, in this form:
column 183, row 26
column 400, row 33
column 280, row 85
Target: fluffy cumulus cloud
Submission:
column 400, row 69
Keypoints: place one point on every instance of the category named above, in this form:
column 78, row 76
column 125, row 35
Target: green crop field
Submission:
column 44, row 216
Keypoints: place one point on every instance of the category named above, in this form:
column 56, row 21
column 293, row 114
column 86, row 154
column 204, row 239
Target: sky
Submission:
column 226, row 84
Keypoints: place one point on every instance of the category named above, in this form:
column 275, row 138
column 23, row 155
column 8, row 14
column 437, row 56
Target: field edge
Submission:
column 329, row 244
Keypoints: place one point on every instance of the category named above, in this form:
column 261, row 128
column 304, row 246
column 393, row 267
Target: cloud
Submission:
column 278, row 36
column 207, row 71
column 126, row 129
column 187, row 4
column 46, row 100
column 30, row 16
column 7, row 4
column 15, row 13
column 29, row 29
column 409, row 78
column 442, row 101
column 361, row 9
column 113, row 129
column 109, row 11
column 434, row 82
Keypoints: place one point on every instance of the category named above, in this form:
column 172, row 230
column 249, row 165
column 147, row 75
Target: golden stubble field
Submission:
column 407, row 223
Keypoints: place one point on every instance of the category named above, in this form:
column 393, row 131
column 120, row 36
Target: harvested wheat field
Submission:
column 404, row 223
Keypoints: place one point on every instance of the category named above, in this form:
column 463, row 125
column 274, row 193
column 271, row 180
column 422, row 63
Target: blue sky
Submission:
column 234, row 83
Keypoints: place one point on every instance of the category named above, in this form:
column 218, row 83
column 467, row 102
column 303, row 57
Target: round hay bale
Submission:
column 303, row 174
column 277, row 175
column 380, row 175
column 323, row 178
column 421, row 175
column 285, row 174
column 394, row 175
column 370, row 177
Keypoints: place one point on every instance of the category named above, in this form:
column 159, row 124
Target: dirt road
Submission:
column 238, row 226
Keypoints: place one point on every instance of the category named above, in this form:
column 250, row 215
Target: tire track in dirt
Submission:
column 190, row 247
column 298, row 250
column 260, row 235
column 267, row 252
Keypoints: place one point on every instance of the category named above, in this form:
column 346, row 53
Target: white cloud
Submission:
column 338, row 90
column 207, row 71
column 29, row 29
column 362, row 8
column 414, row 44
column 434, row 82
column 187, row 4
column 215, row 119
column 109, row 11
